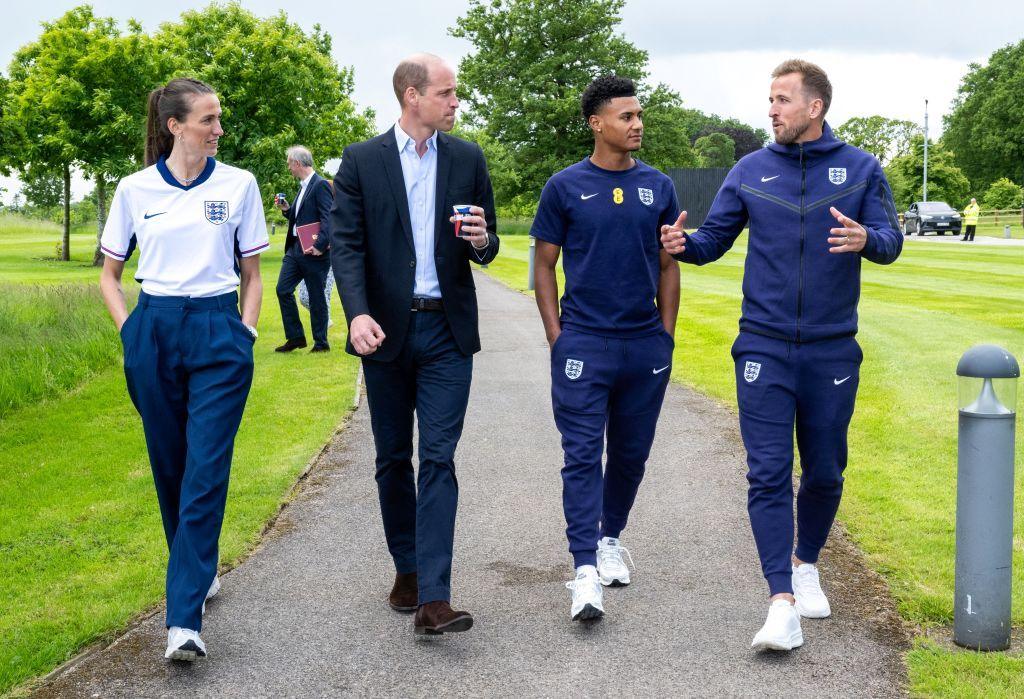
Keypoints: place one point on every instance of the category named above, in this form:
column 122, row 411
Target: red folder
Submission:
column 308, row 235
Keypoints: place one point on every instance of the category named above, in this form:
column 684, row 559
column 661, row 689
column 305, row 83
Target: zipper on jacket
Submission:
column 800, row 286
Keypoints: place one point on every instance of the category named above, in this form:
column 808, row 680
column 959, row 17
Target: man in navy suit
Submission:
column 312, row 205
column 410, row 301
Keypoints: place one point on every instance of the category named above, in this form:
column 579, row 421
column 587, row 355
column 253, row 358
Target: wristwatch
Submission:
column 252, row 330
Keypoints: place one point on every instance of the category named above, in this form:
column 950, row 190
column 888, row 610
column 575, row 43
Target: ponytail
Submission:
column 172, row 100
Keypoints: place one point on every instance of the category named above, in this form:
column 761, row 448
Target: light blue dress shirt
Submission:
column 420, row 174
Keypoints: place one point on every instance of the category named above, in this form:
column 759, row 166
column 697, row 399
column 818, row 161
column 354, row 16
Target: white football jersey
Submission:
column 188, row 237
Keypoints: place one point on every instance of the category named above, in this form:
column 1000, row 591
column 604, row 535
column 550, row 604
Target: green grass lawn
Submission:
column 917, row 317
column 989, row 227
column 81, row 548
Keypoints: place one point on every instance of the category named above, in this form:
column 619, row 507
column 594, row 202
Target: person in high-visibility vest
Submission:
column 971, row 219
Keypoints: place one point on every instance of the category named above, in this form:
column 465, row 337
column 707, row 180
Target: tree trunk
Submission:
column 65, row 252
column 101, row 218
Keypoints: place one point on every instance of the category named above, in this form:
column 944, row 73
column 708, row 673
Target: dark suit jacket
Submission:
column 315, row 206
column 372, row 249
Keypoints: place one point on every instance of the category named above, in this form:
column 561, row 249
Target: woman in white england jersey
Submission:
column 199, row 227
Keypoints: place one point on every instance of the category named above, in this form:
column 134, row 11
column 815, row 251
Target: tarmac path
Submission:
column 305, row 614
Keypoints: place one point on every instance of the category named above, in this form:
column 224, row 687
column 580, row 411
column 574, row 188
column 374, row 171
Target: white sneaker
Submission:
column 811, row 602
column 587, row 595
column 610, row 566
column 212, row 592
column 781, row 631
column 184, row 644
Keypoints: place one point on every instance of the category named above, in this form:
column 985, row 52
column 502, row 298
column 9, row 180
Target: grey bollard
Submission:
column 1006, row 231
column 532, row 257
column 984, row 498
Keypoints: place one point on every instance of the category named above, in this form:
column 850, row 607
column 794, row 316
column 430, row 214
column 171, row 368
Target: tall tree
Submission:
column 715, row 150
column 884, row 138
column 43, row 190
column 945, row 180
column 985, row 128
column 278, row 86
column 75, row 100
column 532, row 60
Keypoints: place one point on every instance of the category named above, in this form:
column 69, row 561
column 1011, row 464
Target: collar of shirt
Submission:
column 404, row 140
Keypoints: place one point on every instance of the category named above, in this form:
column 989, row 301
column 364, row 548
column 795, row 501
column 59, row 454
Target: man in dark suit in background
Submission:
column 312, row 205
column 410, row 301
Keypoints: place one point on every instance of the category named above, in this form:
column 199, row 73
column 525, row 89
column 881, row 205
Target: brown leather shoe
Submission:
column 405, row 594
column 435, row 618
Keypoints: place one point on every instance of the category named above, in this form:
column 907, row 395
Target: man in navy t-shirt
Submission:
column 611, row 346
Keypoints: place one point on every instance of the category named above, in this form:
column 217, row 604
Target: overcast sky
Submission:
column 883, row 57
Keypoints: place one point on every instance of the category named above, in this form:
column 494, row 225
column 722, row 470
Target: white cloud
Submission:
column 941, row 28
column 894, row 85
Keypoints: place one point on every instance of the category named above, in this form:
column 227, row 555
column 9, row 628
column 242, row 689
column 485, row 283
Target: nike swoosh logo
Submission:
column 839, row 381
column 152, row 215
column 658, row 371
column 769, row 179
column 584, row 197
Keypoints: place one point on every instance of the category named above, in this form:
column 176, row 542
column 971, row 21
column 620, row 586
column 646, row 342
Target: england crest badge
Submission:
column 646, row 196
column 573, row 368
column 837, row 175
column 751, row 371
column 216, row 212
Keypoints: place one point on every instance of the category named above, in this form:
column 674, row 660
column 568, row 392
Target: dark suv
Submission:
column 935, row 216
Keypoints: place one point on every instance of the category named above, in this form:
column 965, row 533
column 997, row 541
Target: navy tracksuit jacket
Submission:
column 797, row 361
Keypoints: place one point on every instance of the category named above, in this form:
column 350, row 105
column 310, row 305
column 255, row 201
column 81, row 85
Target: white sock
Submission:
column 586, row 569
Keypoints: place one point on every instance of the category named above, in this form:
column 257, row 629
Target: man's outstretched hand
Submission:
column 672, row 238
column 852, row 237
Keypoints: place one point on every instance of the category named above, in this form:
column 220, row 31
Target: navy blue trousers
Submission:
column 297, row 267
column 812, row 386
column 188, row 363
column 605, row 388
column 430, row 378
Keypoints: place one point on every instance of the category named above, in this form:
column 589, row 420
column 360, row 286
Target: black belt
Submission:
column 424, row 304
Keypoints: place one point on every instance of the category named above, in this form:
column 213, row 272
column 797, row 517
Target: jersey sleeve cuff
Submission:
column 540, row 234
column 256, row 250
column 119, row 256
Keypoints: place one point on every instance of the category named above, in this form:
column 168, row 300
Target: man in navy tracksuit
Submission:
column 611, row 344
column 815, row 207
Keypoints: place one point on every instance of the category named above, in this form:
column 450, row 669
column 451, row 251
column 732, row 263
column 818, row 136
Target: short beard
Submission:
column 792, row 133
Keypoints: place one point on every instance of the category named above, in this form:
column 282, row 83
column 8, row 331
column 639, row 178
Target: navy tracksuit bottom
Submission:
column 428, row 380
column 812, row 385
column 188, row 363
column 602, row 389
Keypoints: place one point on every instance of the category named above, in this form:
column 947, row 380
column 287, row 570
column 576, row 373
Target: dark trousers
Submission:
column 297, row 267
column 605, row 388
column 813, row 386
column 188, row 363
column 969, row 232
column 430, row 378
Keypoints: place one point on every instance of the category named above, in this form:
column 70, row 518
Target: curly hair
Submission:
column 603, row 90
